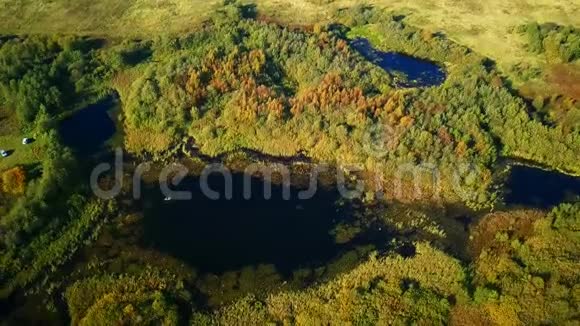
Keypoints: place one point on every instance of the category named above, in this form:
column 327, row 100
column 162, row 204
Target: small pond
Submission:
column 417, row 72
column 534, row 187
column 88, row 129
column 216, row 236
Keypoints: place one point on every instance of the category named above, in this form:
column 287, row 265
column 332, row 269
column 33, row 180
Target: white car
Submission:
column 26, row 141
column 4, row 153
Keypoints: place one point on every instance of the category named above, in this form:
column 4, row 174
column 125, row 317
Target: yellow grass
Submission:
column 146, row 140
column 104, row 17
column 484, row 26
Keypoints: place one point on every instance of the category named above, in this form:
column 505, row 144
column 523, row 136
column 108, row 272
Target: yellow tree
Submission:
column 13, row 181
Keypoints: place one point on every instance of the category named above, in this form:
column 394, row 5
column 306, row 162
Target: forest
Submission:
column 243, row 82
column 326, row 112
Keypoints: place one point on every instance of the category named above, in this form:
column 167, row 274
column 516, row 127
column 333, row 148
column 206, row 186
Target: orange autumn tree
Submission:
column 334, row 96
column 224, row 74
column 13, row 181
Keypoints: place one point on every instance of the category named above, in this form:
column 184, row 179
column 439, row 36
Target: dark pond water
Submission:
column 222, row 235
column 534, row 187
column 88, row 130
column 417, row 72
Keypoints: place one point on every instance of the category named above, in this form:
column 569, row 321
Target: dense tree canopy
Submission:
column 258, row 86
column 242, row 83
column 42, row 78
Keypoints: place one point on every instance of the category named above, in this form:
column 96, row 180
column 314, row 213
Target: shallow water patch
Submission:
column 535, row 187
column 88, row 129
column 415, row 72
column 227, row 234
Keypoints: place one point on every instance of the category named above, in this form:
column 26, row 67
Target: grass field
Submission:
column 11, row 140
column 104, row 17
column 21, row 154
column 484, row 26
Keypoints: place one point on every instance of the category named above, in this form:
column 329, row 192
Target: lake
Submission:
column 417, row 72
column 222, row 235
column 89, row 129
column 534, row 187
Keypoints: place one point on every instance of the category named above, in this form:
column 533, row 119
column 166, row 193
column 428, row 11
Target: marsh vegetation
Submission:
column 244, row 88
